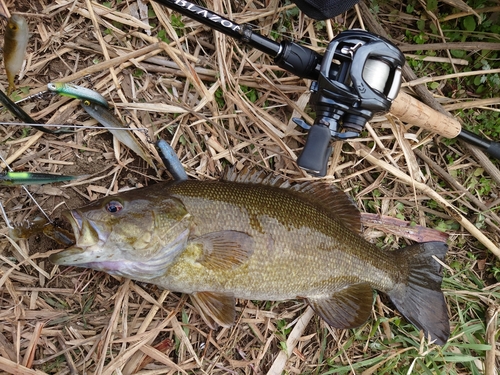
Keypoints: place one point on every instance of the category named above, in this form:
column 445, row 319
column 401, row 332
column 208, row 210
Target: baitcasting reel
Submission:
column 360, row 76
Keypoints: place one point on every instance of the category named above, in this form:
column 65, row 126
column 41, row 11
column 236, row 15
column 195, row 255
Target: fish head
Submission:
column 130, row 234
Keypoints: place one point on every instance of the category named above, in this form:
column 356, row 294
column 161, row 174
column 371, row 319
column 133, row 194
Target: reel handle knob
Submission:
column 317, row 150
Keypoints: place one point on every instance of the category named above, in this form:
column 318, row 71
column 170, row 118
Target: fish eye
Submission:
column 113, row 207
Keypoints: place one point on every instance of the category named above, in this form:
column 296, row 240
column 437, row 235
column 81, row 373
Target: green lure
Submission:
column 29, row 178
column 78, row 92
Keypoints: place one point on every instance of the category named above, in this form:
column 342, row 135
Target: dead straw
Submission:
column 218, row 103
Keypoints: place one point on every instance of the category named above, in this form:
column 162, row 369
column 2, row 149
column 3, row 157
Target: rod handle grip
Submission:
column 414, row 112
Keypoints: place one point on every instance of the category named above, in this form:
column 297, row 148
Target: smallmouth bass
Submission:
column 252, row 238
column 14, row 48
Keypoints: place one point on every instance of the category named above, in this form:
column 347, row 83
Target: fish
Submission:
column 78, row 92
column 108, row 120
column 257, row 237
column 15, row 43
column 33, row 178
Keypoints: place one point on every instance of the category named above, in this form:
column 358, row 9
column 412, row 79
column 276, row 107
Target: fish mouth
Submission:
column 70, row 257
column 75, row 219
column 86, row 238
column 86, row 234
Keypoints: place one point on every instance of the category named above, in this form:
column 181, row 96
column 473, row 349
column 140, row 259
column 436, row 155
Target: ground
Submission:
column 223, row 104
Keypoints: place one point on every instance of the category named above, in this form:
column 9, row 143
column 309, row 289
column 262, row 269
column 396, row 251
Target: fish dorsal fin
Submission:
column 215, row 308
column 225, row 249
column 255, row 176
column 334, row 202
column 347, row 308
column 337, row 204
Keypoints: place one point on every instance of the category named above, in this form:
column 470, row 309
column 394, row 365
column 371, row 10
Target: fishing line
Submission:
column 140, row 130
column 27, row 192
column 72, row 126
column 4, row 214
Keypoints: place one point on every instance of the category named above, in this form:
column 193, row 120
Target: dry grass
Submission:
column 219, row 103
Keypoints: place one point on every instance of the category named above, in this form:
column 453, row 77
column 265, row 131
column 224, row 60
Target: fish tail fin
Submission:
column 419, row 298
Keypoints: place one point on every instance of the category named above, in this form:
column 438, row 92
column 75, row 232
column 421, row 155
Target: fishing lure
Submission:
column 171, row 161
column 14, row 49
column 40, row 225
column 122, row 133
column 29, row 178
column 88, row 96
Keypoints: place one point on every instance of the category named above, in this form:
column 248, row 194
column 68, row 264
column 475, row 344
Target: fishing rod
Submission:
column 17, row 111
column 358, row 76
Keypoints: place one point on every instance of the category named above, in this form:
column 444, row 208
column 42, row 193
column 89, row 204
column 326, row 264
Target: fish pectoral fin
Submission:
column 225, row 249
column 215, row 308
column 347, row 308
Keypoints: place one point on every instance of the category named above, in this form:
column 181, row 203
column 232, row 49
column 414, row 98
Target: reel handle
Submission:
column 317, row 150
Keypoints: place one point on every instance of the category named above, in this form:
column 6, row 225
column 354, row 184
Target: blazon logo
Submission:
column 207, row 14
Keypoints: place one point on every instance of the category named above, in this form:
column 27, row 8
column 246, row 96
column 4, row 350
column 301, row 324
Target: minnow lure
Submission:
column 14, row 48
column 171, row 161
column 108, row 120
column 78, row 92
column 29, row 178
column 23, row 116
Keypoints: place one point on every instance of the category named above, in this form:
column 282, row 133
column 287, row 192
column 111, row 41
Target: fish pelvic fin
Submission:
column 420, row 299
column 215, row 308
column 348, row 308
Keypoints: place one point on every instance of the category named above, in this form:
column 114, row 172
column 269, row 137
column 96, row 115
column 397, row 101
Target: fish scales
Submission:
column 219, row 241
column 288, row 232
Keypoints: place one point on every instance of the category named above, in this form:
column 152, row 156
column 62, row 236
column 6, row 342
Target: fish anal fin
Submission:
column 215, row 308
column 347, row 308
column 225, row 250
